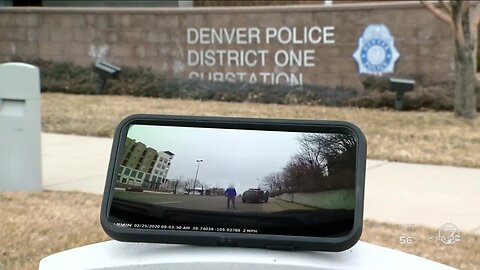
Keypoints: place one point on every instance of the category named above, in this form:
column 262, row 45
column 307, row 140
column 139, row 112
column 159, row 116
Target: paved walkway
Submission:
column 395, row 192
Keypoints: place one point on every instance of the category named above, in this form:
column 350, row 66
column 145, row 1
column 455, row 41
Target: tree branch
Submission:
column 476, row 14
column 464, row 6
column 447, row 7
column 458, row 8
column 442, row 15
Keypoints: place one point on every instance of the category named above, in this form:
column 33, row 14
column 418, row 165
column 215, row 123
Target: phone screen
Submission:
column 234, row 181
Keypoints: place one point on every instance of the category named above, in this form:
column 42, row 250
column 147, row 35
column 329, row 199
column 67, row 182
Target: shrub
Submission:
column 72, row 79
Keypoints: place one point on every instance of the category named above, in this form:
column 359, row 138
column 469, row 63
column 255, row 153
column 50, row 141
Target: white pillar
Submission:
column 20, row 127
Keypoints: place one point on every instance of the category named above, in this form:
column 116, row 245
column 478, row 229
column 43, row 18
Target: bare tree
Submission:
column 273, row 181
column 317, row 149
column 188, row 185
column 318, row 164
column 312, row 154
column 176, row 182
column 463, row 18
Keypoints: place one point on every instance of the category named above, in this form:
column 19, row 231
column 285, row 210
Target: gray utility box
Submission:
column 20, row 128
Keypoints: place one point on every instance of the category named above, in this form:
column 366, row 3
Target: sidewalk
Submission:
column 395, row 192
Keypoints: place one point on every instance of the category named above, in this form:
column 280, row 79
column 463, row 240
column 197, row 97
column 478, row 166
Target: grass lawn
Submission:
column 421, row 137
column 35, row 225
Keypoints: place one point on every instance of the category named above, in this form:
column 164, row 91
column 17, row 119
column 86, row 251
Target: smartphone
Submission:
column 239, row 182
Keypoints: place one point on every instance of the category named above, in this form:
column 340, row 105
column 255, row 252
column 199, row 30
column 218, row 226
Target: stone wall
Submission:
column 157, row 38
column 332, row 199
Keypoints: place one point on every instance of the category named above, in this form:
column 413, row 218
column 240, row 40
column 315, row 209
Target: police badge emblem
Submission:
column 376, row 53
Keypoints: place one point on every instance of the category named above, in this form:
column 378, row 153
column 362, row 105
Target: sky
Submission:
column 238, row 157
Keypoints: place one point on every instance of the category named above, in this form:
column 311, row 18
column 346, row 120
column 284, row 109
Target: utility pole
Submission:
column 196, row 174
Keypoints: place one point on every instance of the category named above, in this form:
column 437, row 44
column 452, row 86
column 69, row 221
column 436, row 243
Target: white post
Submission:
column 20, row 127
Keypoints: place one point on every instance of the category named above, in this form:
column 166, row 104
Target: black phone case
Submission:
column 283, row 242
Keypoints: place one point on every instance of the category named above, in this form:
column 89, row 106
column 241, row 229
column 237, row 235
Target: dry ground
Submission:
column 423, row 137
column 34, row 225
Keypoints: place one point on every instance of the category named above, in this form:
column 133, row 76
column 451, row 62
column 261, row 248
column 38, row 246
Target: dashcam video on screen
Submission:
column 237, row 181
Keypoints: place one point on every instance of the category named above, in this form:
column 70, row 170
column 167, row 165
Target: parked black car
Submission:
column 255, row 195
column 134, row 189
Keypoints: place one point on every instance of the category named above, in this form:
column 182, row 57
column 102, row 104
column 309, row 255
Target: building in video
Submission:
column 144, row 167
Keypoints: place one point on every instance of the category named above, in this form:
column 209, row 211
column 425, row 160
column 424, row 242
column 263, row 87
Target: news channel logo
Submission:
column 409, row 234
column 448, row 234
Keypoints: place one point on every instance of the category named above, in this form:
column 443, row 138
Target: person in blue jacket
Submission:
column 231, row 193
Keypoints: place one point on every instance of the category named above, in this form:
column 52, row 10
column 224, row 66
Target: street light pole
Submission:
column 196, row 174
